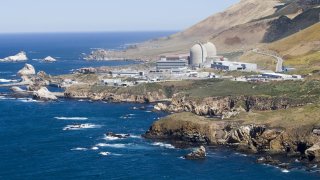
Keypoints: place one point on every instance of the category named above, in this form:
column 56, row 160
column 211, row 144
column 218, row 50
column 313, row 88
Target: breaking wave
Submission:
column 80, row 126
column 72, row 118
column 169, row 146
column 105, row 153
column 111, row 145
column 79, row 149
column 7, row 80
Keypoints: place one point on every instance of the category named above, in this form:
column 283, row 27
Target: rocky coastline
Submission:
column 208, row 121
column 267, row 143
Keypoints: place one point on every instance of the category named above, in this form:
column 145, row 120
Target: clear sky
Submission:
column 104, row 15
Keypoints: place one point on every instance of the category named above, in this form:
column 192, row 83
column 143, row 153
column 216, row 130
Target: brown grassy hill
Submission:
column 241, row 37
column 300, row 50
column 303, row 42
column 241, row 13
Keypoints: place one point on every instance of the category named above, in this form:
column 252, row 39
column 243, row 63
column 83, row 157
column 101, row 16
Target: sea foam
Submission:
column 8, row 80
column 72, row 118
column 79, row 149
column 80, row 127
column 104, row 153
column 169, row 146
column 111, row 145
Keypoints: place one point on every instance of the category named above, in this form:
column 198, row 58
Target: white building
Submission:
column 281, row 76
column 171, row 64
column 233, row 66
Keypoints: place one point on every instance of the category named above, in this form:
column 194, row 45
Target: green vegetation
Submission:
column 304, row 63
column 293, row 89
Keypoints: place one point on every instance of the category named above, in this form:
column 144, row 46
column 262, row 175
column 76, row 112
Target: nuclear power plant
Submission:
column 200, row 54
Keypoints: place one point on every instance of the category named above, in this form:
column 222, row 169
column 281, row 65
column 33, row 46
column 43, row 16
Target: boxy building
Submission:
column 233, row 66
column 171, row 64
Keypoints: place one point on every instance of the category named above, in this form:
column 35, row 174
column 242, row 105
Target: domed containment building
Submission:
column 200, row 52
column 211, row 49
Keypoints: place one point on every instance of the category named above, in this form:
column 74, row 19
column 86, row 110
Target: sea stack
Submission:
column 49, row 59
column 28, row 69
column 44, row 94
column 21, row 56
column 199, row 153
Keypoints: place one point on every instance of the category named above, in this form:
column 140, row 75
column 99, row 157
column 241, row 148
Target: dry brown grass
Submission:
column 292, row 118
column 300, row 43
column 264, row 62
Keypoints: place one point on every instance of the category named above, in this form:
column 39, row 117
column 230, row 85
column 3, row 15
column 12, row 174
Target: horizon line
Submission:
column 79, row 32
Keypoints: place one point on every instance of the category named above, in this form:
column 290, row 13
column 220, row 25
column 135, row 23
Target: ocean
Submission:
column 35, row 142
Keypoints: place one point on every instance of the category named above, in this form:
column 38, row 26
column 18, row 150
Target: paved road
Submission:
column 278, row 58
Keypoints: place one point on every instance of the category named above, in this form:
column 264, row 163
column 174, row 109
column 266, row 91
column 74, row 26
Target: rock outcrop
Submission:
column 313, row 152
column 199, row 153
column 27, row 70
column 22, row 56
column 44, row 94
column 120, row 136
column 227, row 107
column 252, row 138
column 49, row 59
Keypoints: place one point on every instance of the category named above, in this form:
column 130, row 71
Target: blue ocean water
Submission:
column 34, row 143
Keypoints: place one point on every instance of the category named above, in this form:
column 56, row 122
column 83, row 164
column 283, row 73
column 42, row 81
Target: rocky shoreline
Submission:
column 267, row 143
column 201, row 121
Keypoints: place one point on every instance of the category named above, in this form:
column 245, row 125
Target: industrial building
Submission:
column 201, row 53
column 126, row 74
column 233, row 66
column 171, row 64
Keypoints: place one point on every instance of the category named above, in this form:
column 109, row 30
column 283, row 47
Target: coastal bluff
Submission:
column 248, row 137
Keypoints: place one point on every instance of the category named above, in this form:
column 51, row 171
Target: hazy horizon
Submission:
column 81, row 16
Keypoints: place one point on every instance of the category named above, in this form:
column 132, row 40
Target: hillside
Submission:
column 303, row 42
column 243, row 26
column 301, row 50
column 246, row 11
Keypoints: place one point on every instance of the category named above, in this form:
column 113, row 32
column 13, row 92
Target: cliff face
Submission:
column 228, row 106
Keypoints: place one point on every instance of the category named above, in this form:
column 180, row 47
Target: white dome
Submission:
column 211, row 49
column 198, row 54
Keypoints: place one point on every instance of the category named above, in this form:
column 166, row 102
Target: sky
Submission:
column 105, row 15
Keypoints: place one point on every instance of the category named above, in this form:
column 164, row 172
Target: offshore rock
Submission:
column 49, row 59
column 120, row 136
column 22, row 56
column 44, row 94
column 200, row 153
column 28, row 69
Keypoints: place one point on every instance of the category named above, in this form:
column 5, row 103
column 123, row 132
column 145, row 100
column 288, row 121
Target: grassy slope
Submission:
column 231, row 88
column 304, row 117
column 263, row 62
column 289, row 118
column 299, row 43
column 301, row 50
